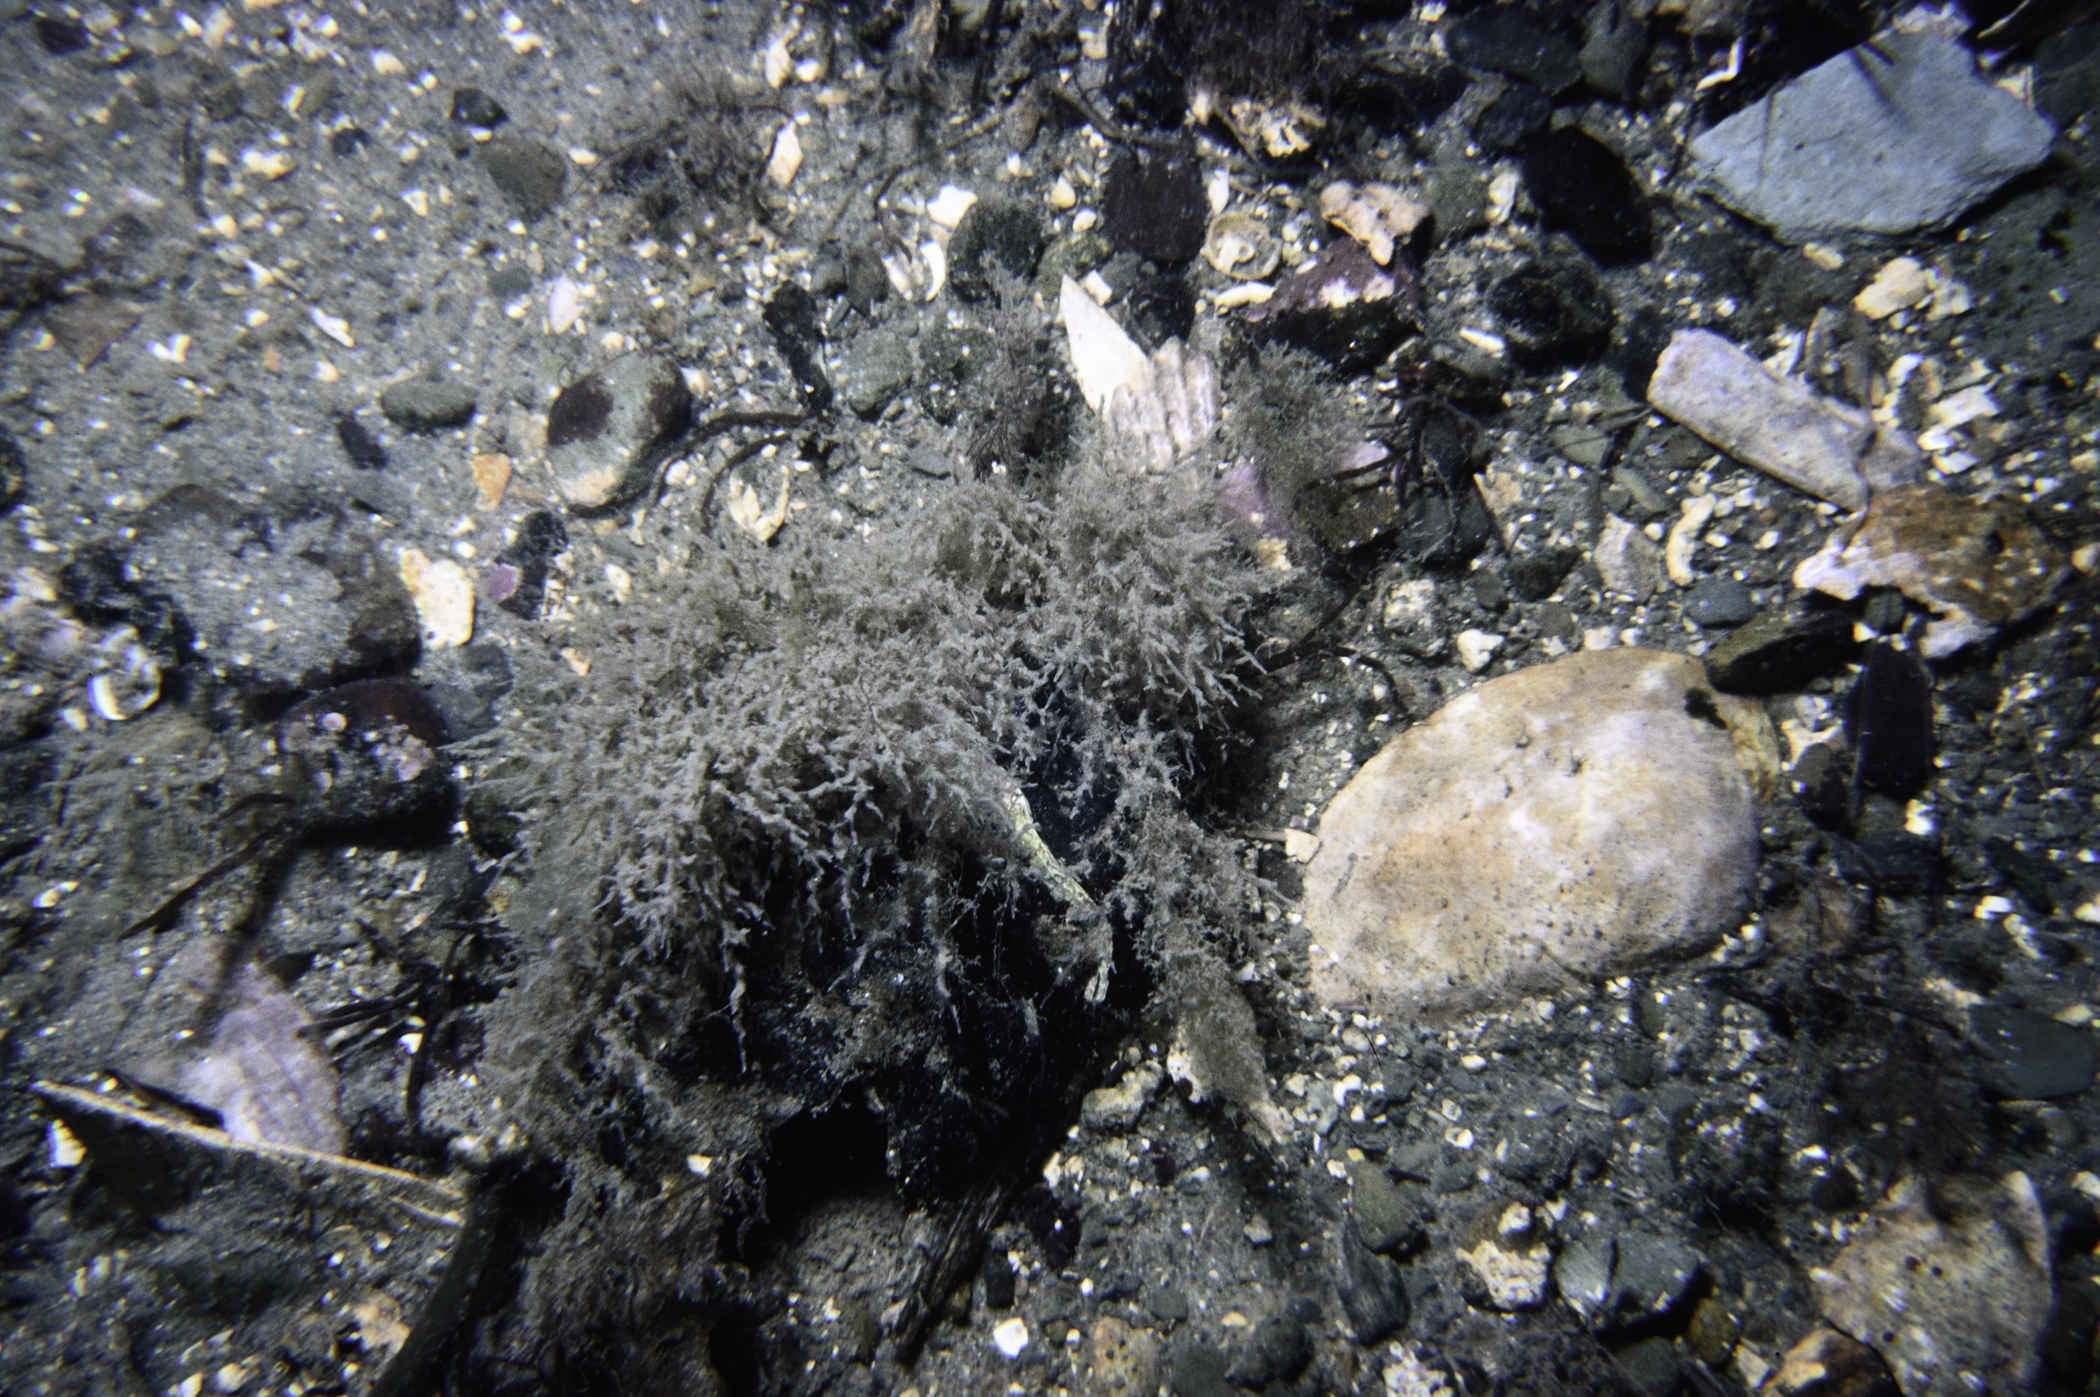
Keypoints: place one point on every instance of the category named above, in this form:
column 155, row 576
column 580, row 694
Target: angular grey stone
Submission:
column 1385, row 1218
column 428, row 405
column 606, row 431
column 1651, row 1277
column 1864, row 144
column 876, row 367
column 1373, row 1295
column 1582, row 1274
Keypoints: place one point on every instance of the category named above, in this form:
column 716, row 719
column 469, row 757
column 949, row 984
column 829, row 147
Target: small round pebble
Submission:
column 1717, row 602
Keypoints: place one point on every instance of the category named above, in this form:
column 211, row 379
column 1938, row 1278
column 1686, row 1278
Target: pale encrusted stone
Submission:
column 1779, row 425
column 1571, row 820
column 1977, row 566
column 1950, row 1284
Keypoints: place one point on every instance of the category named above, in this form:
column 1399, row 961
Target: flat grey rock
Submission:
column 1863, row 144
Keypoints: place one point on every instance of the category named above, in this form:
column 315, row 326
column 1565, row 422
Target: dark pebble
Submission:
column 2033, row 1057
column 1453, row 1178
column 510, row 282
column 1054, row 1226
column 359, row 444
column 120, row 252
column 827, row 277
column 427, row 405
column 1614, row 39
column 1780, row 651
column 468, row 706
column 377, row 741
column 1553, row 311
column 1885, row 610
column 1626, row 1105
column 1327, row 307
column 14, row 471
column 1198, row 1370
column 1888, row 721
column 1387, row 1220
column 996, row 236
column 2068, row 1348
column 532, row 175
column 219, row 95
column 998, row 1275
column 867, row 284
column 1168, row 1302
column 1501, row 39
column 98, row 587
column 1159, row 308
column 1652, row 1367
column 1154, row 206
column 1373, row 1294
column 793, row 317
column 1821, row 783
column 1644, row 499
column 60, row 35
column 1537, row 575
column 348, row 142
column 1652, row 1276
column 1583, row 188
column 1277, row 1351
column 1513, row 118
column 518, row 577
column 1894, row 862
column 1401, row 103
column 1716, row 602
column 473, row 107
column 1582, row 1273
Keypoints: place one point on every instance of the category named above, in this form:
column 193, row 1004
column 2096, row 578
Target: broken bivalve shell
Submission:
column 1241, row 246
column 131, row 683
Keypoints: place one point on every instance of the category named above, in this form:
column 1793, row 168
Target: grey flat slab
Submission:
column 1884, row 139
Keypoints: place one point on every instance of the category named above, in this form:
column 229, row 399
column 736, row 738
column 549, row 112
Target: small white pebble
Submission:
column 1011, row 1336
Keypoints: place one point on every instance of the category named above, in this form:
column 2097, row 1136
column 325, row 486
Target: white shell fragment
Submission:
column 444, row 597
column 1822, row 447
column 1683, row 543
column 129, row 683
column 1103, row 357
column 333, row 326
column 1010, row 1337
column 1241, row 245
column 1901, row 284
column 268, row 164
column 948, row 207
column 564, row 305
column 750, row 514
column 786, row 158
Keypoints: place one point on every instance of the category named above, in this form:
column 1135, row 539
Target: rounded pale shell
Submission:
column 1241, row 245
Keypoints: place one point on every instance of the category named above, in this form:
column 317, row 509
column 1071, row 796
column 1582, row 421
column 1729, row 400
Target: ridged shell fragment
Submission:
column 1241, row 246
column 1376, row 215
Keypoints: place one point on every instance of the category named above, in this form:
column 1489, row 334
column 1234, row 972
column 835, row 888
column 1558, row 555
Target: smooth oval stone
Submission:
column 1582, row 818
